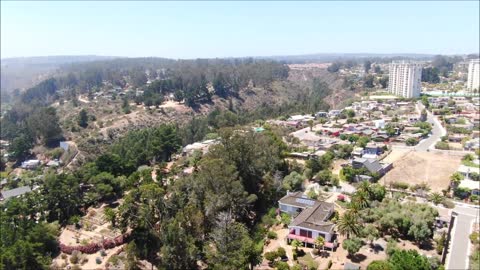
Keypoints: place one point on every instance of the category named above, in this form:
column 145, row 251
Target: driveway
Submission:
column 460, row 246
column 437, row 131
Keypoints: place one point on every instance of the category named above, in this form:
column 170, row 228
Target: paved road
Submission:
column 437, row 131
column 460, row 246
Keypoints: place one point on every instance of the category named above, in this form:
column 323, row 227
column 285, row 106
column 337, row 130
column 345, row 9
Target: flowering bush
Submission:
column 94, row 247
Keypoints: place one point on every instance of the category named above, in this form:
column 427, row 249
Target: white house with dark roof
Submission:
column 294, row 202
column 312, row 219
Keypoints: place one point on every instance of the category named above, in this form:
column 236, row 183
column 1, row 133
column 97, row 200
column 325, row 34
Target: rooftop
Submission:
column 297, row 199
column 15, row 192
column 316, row 217
column 470, row 184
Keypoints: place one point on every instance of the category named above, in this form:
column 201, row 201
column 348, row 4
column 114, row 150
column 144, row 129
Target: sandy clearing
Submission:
column 396, row 154
column 417, row 167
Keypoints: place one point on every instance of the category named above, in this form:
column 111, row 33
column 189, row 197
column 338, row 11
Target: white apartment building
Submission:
column 473, row 82
column 405, row 79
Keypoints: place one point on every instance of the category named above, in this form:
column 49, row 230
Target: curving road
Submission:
column 437, row 131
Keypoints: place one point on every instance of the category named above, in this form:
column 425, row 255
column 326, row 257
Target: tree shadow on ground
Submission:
column 427, row 245
column 358, row 258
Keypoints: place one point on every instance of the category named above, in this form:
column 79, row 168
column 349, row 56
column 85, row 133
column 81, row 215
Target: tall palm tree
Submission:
column 361, row 199
column 366, row 187
column 354, row 207
column 348, row 224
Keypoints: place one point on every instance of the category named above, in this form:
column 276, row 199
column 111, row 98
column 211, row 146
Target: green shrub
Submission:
column 400, row 185
column 281, row 252
column 271, row 256
column 475, row 238
column 286, row 219
column 282, row 266
column 442, row 146
column 55, row 153
column 448, row 203
column 411, row 141
column 272, row 235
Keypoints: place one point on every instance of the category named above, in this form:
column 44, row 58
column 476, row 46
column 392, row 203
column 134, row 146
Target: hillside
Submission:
column 120, row 95
column 25, row 72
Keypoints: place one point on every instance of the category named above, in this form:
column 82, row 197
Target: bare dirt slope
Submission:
column 417, row 167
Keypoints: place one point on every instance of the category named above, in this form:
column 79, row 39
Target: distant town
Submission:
column 364, row 165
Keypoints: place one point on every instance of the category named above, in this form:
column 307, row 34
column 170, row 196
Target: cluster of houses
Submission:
column 371, row 119
column 383, row 122
column 461, row 118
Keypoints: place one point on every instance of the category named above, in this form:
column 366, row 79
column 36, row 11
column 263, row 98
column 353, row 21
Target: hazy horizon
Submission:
column 189, row 30
column 247, row 56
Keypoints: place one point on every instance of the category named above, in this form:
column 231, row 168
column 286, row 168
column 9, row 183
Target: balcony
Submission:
column 308, row 240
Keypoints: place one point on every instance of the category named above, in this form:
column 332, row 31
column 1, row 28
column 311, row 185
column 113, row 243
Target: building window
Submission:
column 305, row 233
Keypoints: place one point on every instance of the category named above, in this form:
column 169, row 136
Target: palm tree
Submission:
column 456, row 178
column 354, row 207
column 361, row 199
column 296, row 244
column 436, row 198
column 366, row 187
column 348, row 224
column 320, row 242
column 310, row 124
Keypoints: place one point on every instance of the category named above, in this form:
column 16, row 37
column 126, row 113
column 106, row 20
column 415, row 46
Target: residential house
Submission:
column 472, row 144
column 13, row 193
column 321, row 114
column 301, row 118
column 467, row 170
column 64, row 145
column 313, row 222
column 473, row 186
column 456, row 137
column 334, row 113
column 465, row 126
column 379, row 124
column 357, row 152
column 361, row 178
column 373, row 149
column 450, row 119
column 294, row 202
column 200, row 146
column 30, row 164
column 372, row 165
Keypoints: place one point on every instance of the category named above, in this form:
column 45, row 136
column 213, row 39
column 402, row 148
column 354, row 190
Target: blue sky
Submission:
column 224, row 29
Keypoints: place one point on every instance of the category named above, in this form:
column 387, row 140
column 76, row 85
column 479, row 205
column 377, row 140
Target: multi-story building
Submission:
column 405, row 79
column 473, row 82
